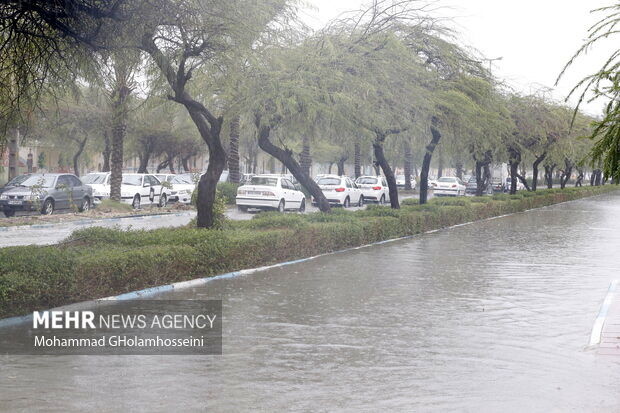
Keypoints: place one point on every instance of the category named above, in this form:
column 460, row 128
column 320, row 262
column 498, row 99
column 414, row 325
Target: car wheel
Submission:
column 9, row 212
column 163, row 200
column 382, row 200
column 136, row 202
column 302, row 207
column 281, row 206
column 242, row 208
column 347, row 202
column 48, row 207
column 361, row 201
column 85, row 205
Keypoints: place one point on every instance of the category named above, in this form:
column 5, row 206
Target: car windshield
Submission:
column 132, row 180
column 328, row 181
column 445, row 179
column 17, row 180
column 265, row 181
column 367, row 181
column 95, row 179
column 39, row 180
column 182, row 179
column 472, row 180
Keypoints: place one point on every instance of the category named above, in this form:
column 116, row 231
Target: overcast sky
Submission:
column 535, row 38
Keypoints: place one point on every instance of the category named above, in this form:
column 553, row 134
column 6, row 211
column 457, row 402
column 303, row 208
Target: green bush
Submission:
column 99, row 262
column 228, row 191
column 410, row 201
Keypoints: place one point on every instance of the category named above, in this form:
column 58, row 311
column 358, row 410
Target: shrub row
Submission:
column 98, row 262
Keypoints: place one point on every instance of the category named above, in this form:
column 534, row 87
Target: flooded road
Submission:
column 492, row 316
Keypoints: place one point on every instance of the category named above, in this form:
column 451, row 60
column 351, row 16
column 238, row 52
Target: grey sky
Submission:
column 535, row 37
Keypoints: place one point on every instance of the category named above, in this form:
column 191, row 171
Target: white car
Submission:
column 164, row 177
column 520, row 186
column 449, row 185
column 340, row 190
column 270, row 192
column 374, row 188
column 183, row 186
column 400, row 181
column 140, row 189
column 100, row 184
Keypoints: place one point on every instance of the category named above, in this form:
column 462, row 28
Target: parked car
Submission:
column 100, row 184
column 450, row 186
column 183, row 186
column 508, row 182
column 340, row 190
column 46, row 193
column 14, row 182
column 472, row 187
column 246, row 178
column 496, row 184
column 374, row 189
column 400, row 181
column 270, row 192
column 139, row 189
column 165, row 177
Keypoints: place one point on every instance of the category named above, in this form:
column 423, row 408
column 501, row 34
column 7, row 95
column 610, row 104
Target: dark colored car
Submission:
column 46, row 193
column 472, row 186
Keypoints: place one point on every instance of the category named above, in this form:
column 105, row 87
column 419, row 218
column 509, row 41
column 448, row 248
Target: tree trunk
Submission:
column 459, row 170
column 340, row 164
column 107, row 149
column 76, row 156
column 185, row 163
column 387, row 170
column 144, row 159
column 305, row 157
column 119, row 126
column 358, row 160
column 549, row 175
column 535, row 165
column 171, row 165
column 286, row 157
column 566, row 172
column 233, row 153
column 483, row 172
column 514, row 161
column 13, row 146
column 579, row 181
column 407, row 166
column 440, row 164
column 426, row 163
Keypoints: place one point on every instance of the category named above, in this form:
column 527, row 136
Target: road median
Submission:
column 100, row 262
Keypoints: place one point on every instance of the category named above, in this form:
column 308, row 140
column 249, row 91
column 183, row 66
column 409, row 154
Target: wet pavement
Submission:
column 446, row 321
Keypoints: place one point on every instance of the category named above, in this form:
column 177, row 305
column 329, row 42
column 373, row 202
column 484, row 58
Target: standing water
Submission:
column 491, row 316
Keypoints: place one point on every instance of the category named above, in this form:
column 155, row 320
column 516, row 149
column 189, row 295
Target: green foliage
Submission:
column 228, row 191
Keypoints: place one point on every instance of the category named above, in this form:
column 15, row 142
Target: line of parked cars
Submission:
column 283, row 192
column 49, row 192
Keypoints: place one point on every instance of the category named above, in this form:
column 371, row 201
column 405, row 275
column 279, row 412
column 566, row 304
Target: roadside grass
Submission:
column 99, row 262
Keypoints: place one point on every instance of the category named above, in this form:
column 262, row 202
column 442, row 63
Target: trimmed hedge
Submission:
column 99, row 262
